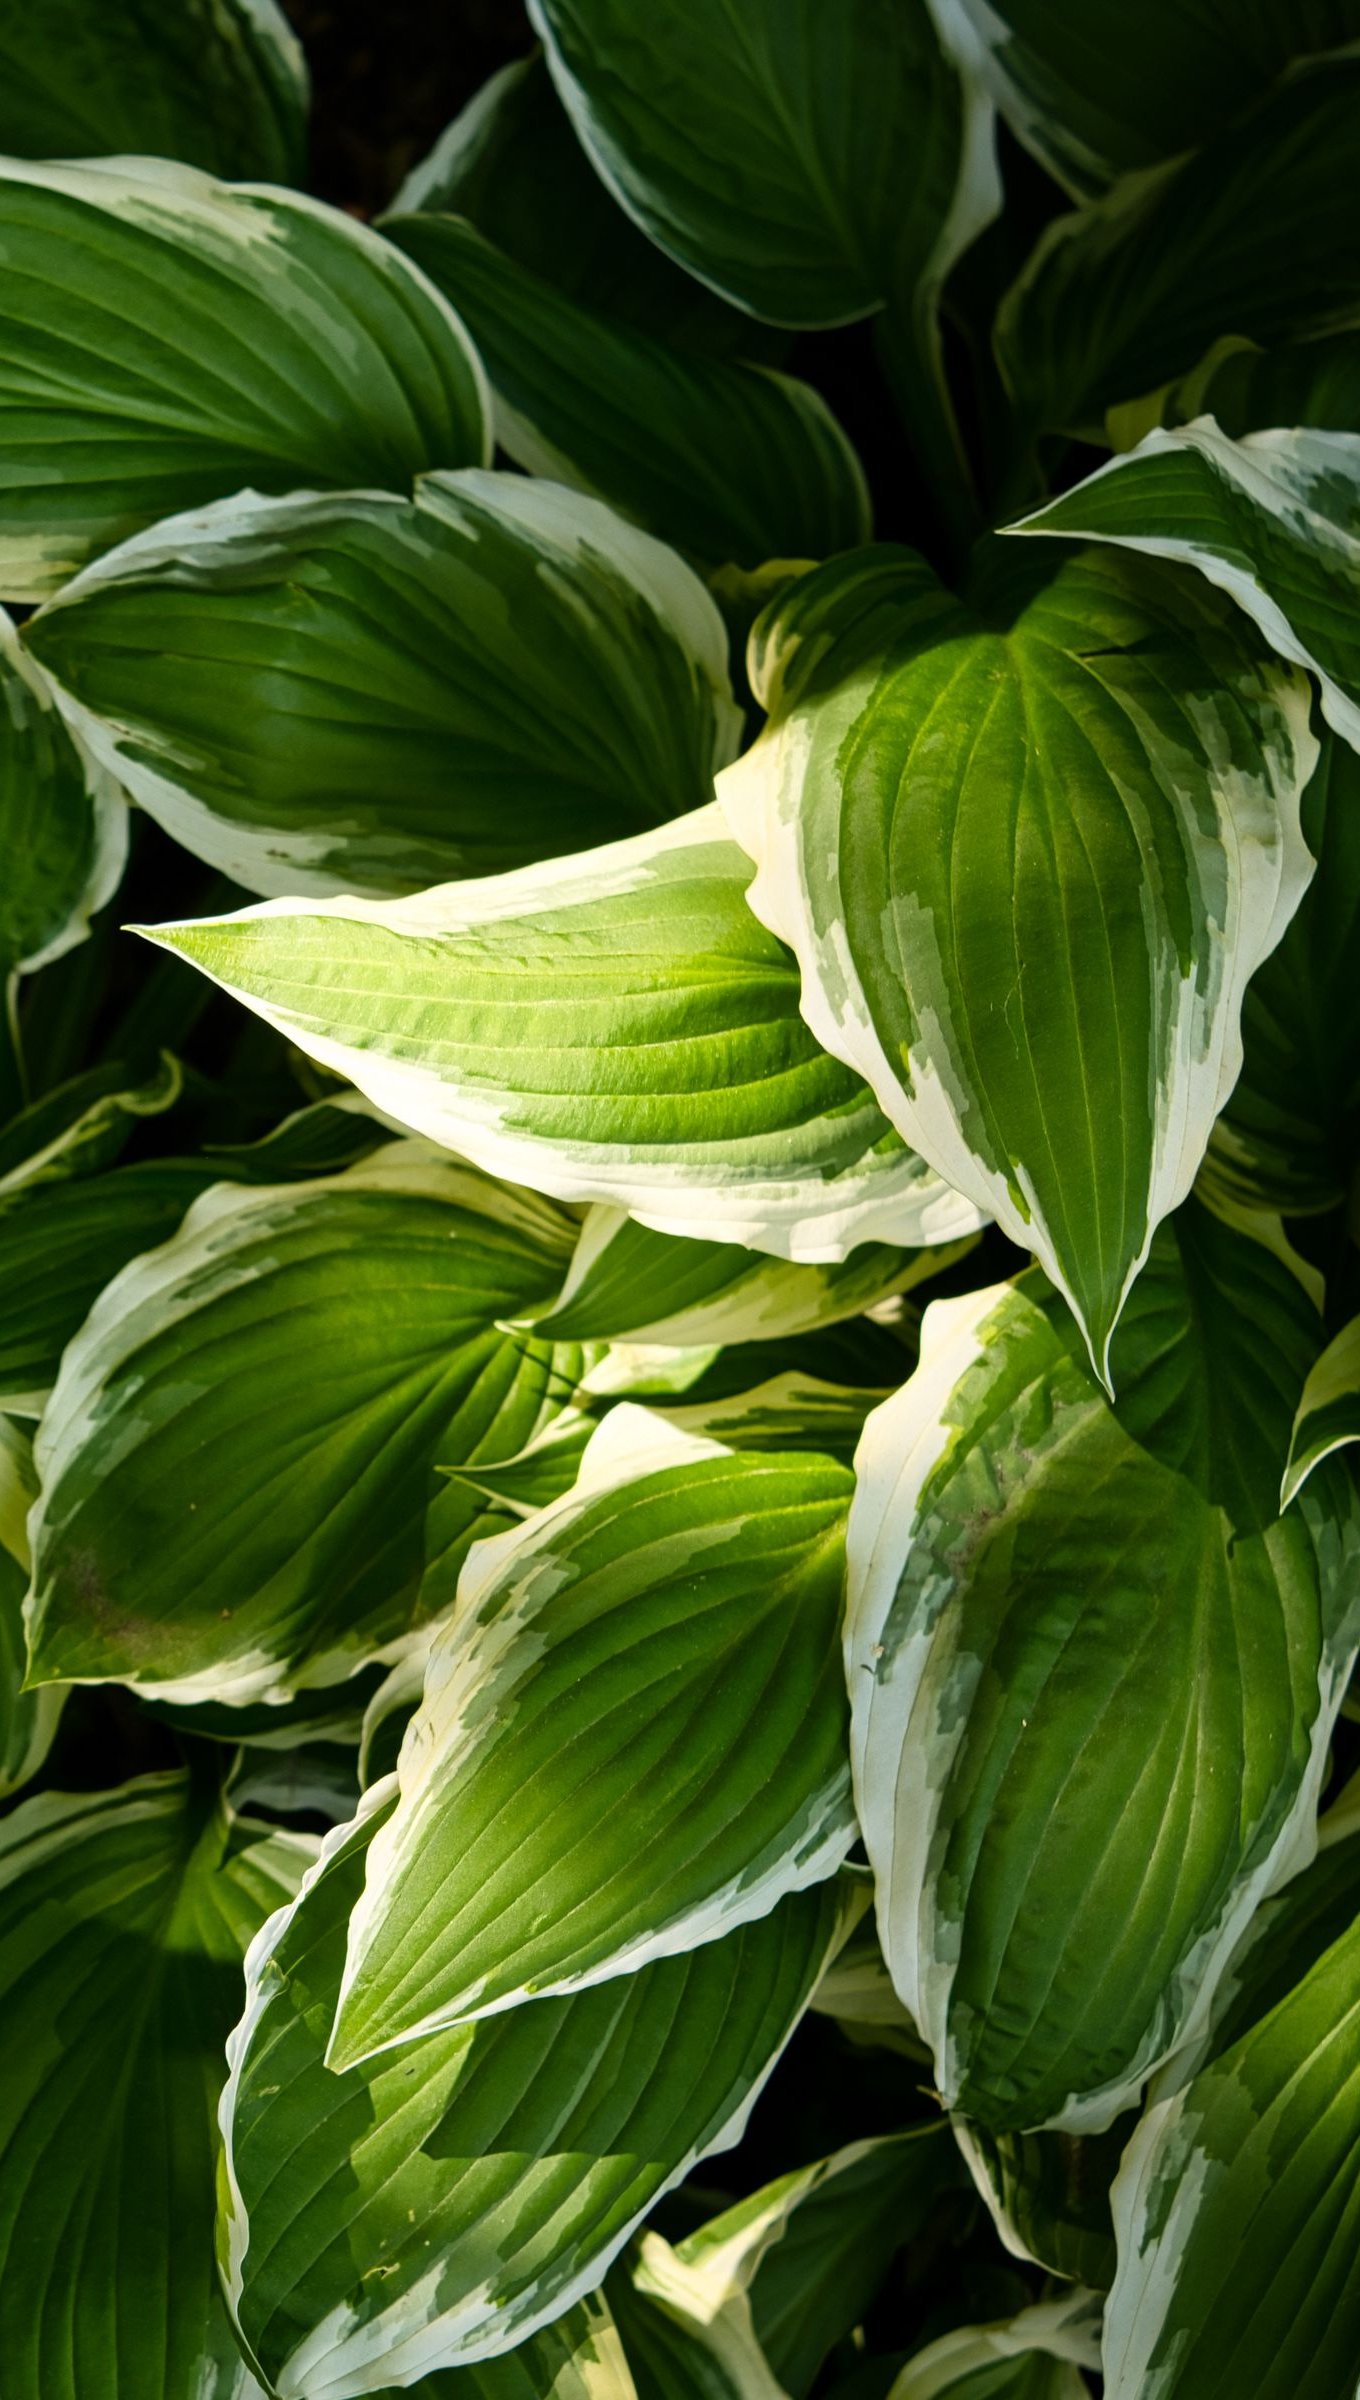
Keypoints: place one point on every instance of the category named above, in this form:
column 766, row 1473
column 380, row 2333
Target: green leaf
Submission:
column 1094, row 98
column 677, row 2346
column 221, row 83
column 230, row 1509
column 807, row 163
column 83, row 1126
column 123, row 1916
column 1048, row 2195
column 1272, row 520
column 365, row 693
column 1035, row 2356
column 63, row 824
column 578, row 2357
column 28, row 1720
column 61, row 1242
column 444, row 2201
column 617, row 1028
column 1248, row 390
column 1235, row 2210
column 1069, row 1622
column 1054, row 1026
column 805, row 2256
column 1328, row 1416
column 735, row 462
column 1289, row 1135
column 626, row 1282
column 165, row 339
column 632, row 1737
column 1244, row 237
column 512, row 166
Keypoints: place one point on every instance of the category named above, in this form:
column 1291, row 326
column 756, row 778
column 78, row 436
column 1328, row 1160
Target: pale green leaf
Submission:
column 444, row 2201
column 1055, row 1026
column 166, row 339
column 238, row 1458
column 631, row 1738
column 1065, row 1616
column 734, row 462
column 1272, row 520
column 63, row 823
column 614, row 1028
column 1095, row 94
column 1035, row 2356
column 1244, row 237
column 1236, row 2210
column 805, row 162
column 220, row 83
column 1328, row 1416
column 365, row 693
column 123, row 1917
column 679, row 2345
column 627, row 1282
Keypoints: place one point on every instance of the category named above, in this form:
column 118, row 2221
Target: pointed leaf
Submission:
column 82, row 1126
column 1035, row 2356
column 372, row 694
column 1064, row 1616
column 619, row 1028
column 848, row 159
column 1235, row 2211
column 1272, row 520
column 1016, row 1020
column 737, row 462
column 442, row 2202
column 220, row 83
column 228, row 1509
column 165, row 340
column 1048, row 2195
column 123, row 1916
column 632, row 1738
column 1328, row 1415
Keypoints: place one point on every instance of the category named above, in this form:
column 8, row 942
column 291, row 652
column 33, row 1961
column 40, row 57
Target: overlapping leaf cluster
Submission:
column 689, row 1492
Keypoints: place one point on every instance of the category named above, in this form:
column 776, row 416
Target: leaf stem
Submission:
column 907, row 339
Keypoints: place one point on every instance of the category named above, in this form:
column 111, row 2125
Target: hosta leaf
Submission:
column 220, row 83
column 60, row 1243
column 632, row 1737
column 1247, row 390
column 63, row 825
column 1272, row 520
column 785, row 1412
column 1035, row 2356
column 165, row 339
column 1243, row 238
column 1289, row 1136
column 440, row 2203
column 1056, row 1027
column 1328, row 1417
column 678, row 2346
column 804, row 162
column 1065, row 1616
column 1236, row 2209
column 82, row 1126
column 736, row 461
column 370, row 693
column 123, row 1916
column 511, row 164
column 28, row 1720
column 229, row 1509
column 1048, row 2195
column 1091, row 99
column 805, row 2256
column 616, row 1029
column 578, row 2357
column 626, row 1282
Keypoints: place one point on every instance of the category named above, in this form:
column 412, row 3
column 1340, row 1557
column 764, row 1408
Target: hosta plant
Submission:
column 679, row 1151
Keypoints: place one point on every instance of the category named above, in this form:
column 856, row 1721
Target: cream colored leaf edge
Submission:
column 463, row 1671
column 344, row 2358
